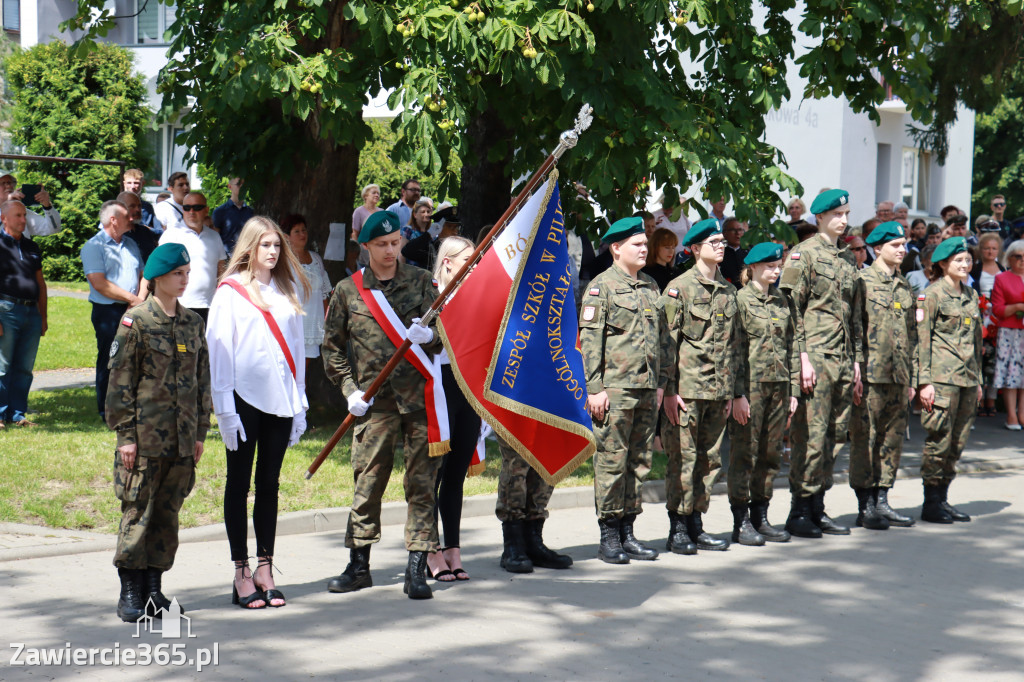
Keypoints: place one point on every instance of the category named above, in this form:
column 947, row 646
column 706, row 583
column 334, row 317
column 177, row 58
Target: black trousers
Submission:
column 268, row 434
column 464, row 424
column 105, row 318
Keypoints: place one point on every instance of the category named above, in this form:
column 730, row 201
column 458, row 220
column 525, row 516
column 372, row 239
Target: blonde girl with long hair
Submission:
column 258, row 379
column 446, row 565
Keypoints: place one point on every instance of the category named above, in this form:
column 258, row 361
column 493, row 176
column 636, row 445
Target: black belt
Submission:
column 19, row 301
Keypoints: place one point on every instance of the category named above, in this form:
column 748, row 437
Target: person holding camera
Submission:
column 31, row 195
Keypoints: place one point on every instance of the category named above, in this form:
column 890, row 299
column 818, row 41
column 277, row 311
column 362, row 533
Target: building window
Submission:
column 12, row 15
column 169, row 155
column 915, row 179
column 152, row 21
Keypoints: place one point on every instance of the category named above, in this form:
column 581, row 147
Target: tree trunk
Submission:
column 486, row 185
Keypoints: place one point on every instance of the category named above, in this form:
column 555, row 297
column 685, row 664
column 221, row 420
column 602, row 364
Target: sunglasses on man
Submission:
column 193, row 207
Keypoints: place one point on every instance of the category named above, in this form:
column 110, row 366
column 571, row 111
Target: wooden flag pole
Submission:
column 566, row 141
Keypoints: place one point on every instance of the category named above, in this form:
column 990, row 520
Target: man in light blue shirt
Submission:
column 411, row 191
column 113, row 265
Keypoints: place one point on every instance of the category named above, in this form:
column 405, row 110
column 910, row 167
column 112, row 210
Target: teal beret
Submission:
column 165, row 258
column 702, row 231
column 765, row 252
column 948, row 248
column 379, row 224
column 623, row 229
column 886, row 232
column 829, row 199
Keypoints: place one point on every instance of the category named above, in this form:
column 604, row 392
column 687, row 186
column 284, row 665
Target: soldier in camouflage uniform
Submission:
column 355, row 349
column 700, row 307
column 949, row 374
column 768, row 379
column 885, row 337
column 626, row 352
column 159, row 402
column 522, row 508
column 819, row 279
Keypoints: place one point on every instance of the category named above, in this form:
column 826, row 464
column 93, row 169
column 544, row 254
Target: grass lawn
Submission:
column 60, row 473
column 68, row 286
column 70, row 341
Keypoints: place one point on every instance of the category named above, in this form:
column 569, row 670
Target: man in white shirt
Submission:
column 205, row 251
column 36, row 225
column 679, row 227
column 169, row 213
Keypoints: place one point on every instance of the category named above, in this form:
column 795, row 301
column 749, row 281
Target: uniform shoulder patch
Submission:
column 594, row 291
column 114, row 347
column 920, row 297
column 127, row 321
column 588, row 313
column 795, row 255
column 674, row 293
column 919, row 315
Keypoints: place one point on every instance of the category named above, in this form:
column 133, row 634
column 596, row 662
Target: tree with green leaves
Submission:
column 69, row 105
column 273, row 89
column 999, row 150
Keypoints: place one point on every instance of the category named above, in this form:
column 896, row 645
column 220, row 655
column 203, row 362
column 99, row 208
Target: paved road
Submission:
column 927, row 603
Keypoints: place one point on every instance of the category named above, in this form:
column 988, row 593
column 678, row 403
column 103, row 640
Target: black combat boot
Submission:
column 633, row 548
column 882, row 507
column 953, row 512
column 540, row 554
column 799, row 522
column 759, row 519
column 822, row 520
column 513, row 557
column 867, row 516
column 742, row 531
column 695, row 529
column 356, row 575
column 931, row 510
column 679, row 541
column 154, row 595
column 130, row 606
column 415, row 580
column 610, row 550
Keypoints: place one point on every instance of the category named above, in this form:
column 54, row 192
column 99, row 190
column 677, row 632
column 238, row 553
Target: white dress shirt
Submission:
column 245, row 358
column 42, row 225
column 170, row 214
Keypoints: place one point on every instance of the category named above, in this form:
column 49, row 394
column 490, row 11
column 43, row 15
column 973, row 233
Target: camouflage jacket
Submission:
column 884, row 330
column 768, row 348
column 702, row 324
column 819, row 279
column 159, row 392
column 948, row 336
column 356, row 348
column 624, row 333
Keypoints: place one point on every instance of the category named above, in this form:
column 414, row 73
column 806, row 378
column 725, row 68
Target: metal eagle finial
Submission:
column 569, row 138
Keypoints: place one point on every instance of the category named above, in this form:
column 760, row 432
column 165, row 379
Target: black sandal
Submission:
column 257, row 594
column 269, row 595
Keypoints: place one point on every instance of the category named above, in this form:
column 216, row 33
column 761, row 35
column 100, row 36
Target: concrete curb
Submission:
column 335, row 519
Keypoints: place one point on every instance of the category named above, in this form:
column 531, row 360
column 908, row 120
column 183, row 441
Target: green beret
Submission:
column 165, row 258
column 702, row 231
column 949, row 248
column 765, row 252
column 886, row 232
column 829, row 199
column 623, row 229
column 379, row 224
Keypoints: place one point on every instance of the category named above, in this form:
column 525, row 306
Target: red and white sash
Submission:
column 438, row 434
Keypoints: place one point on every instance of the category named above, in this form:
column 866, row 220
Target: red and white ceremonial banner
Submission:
column 438, row 433
column 510, row 331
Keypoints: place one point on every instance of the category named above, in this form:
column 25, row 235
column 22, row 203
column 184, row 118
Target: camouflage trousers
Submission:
column 151, row 496
column 522, row 494
column 694, row 449
column 877, row 429
column 755, row 454
column 625, row 438
column 819, row 425
column 948, row 426
column 373, row 455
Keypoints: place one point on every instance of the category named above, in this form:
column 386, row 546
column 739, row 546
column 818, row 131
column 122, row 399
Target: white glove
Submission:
column 485, row 429
column 231, row 431
column 419, row 334
column 298, row 428
column 356, row 405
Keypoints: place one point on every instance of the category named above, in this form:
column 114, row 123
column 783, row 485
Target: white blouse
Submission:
column 247, row 359
column 320, row 289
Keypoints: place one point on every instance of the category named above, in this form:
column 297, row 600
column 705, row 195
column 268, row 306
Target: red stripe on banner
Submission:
column 433, row 430
column 471, row 322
